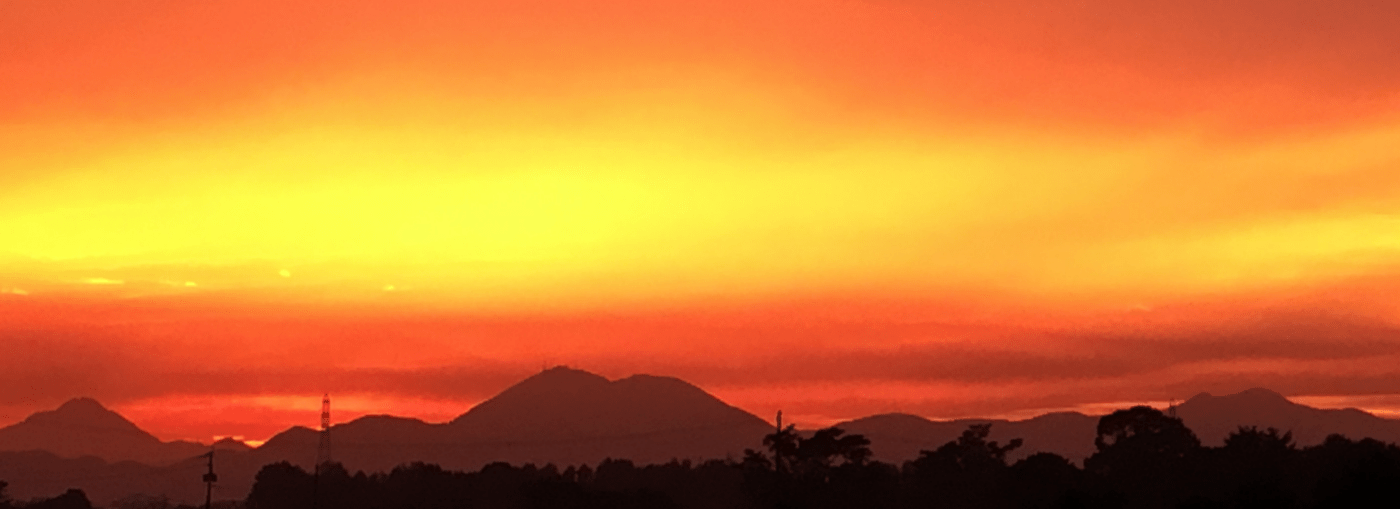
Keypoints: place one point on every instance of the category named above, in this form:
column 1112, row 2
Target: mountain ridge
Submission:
column 568, row 416
column 84, row 427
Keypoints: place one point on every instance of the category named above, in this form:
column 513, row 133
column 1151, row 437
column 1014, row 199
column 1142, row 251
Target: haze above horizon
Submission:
column 213, row 212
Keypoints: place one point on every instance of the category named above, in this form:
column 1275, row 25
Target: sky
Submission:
column 212, row 212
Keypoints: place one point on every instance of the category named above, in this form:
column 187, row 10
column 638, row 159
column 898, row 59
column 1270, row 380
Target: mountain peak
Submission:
column 84, row 405
column 1213, row 418
column 892, row 417
column 1260, row 394
column 657, row 381
column 559, row 380
column 85, row 412
column 566, row 374
column 1257, row 395
column 83, row 427
column 567, row 402
column 230, row 444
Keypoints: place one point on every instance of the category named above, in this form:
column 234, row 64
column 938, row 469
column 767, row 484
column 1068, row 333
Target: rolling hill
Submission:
column 83, row 427
column 561, row 416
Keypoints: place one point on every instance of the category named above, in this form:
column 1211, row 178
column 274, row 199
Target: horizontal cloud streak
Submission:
column 1109, row 60
column 831, row 369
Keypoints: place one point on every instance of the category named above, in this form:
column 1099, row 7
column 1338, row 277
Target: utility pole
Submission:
column 209, row 480
column 323, row 451
column 778, row 445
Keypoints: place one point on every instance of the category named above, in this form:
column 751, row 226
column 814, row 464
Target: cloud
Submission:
column 1110, row 62
column 838, row 368
column 103, row 281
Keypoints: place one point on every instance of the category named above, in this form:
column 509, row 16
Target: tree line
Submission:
column 71, row 499
column 1144, row 459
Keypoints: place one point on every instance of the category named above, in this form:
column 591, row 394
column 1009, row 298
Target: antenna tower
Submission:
column 323, row 453
column 209, row 479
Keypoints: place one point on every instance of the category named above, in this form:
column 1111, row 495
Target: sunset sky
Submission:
column 214, row 211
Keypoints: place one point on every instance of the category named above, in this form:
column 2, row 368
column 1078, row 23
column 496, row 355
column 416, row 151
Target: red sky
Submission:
column 212, row 212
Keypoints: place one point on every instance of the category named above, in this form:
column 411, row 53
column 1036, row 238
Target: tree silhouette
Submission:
column 814, row 456
column 1147, row 430
column 1354, row 473
column 967, row 472
column 1252, row 441
column 1145, row 459
column 826, row 448
column 1045, row 480
column 970, row 453
column 282, row 486
column 1146, row 453
column 783, row 445
column 1251, row 469
column 71, row 499
column 755, row 460
column 142, row 502
column 816, row 471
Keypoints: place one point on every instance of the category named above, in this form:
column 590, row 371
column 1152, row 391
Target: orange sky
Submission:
column 211, row 212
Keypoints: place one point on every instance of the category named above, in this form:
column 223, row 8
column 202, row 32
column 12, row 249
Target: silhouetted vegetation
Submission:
column 71, row 499
column 1144, row 459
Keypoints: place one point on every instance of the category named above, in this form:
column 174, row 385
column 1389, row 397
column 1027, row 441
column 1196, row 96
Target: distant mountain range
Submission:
column 896, row 438
column 562, row 416
column 83, row 427
column 899, row 437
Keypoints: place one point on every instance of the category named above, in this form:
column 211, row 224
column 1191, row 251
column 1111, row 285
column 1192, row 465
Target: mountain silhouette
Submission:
column 566, row 404
column 231, row 445
column 896, row 438
column 1214, row 417
column 370, row 443
column 83, row 427
column 41, row 474
column 899, row 437
column 562, row 416
column 566, row 415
